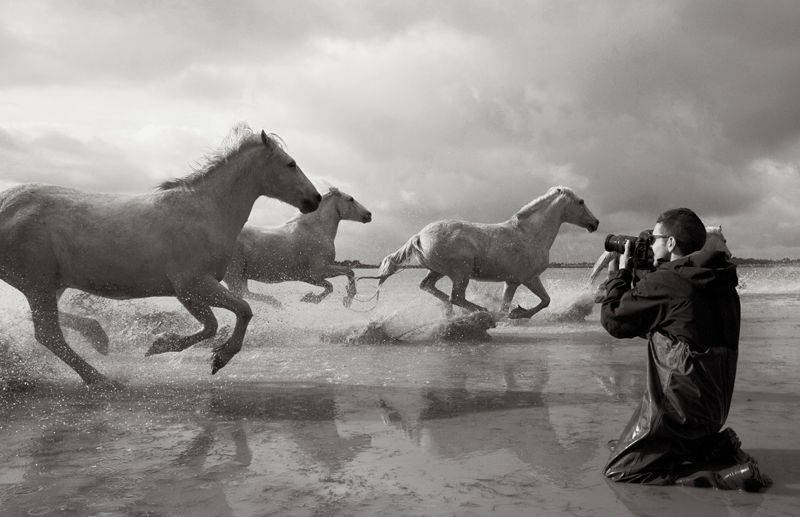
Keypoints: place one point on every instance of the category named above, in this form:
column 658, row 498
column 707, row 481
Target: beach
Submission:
column 303, row 422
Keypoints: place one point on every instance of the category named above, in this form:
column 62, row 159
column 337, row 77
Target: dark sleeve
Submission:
column 627, row 312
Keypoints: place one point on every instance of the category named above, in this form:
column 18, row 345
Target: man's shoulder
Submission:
column 663, row 280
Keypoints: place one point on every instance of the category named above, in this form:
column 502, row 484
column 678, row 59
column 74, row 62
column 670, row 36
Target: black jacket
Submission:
column 692, row 299
column 689, row 311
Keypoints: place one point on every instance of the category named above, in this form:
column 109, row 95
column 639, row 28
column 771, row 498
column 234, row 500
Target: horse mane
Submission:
column 541, row 201
column 240, row 136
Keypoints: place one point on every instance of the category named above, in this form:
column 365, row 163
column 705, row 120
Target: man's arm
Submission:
column 627, row 312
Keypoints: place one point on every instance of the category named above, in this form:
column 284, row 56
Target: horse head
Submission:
column 716, row 241
column 348, row 208
column 283, row 179
column 575, row 210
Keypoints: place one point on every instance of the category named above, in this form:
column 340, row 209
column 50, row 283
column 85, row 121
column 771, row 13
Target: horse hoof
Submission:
column 98, row 338
column 104, row 385
column 518, row 313
column 101, row 347
column 217, row 362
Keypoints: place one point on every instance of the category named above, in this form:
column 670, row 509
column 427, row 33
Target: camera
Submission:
column 641, row 252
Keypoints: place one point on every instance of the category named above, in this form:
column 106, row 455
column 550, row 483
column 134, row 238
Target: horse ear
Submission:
column 264, row 138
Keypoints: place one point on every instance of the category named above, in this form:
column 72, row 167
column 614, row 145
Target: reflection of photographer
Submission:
column 688, row 308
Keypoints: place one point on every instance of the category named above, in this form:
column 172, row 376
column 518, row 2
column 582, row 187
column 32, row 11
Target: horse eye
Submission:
column 351, row 200
column 580, row 202
column 292, row 164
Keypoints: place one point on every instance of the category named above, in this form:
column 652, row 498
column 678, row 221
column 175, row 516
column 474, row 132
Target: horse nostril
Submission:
column 318, row 197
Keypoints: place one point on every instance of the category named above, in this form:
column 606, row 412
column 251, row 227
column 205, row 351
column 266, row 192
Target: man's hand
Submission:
column 624, row 259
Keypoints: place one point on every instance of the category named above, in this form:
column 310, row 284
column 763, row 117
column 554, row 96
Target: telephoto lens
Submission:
column 616, row 243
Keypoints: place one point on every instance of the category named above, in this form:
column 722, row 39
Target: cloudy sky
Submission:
column 425, row 110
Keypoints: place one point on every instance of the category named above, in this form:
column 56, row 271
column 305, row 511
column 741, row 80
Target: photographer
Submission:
column 688, row 309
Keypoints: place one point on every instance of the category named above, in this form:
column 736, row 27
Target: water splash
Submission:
column 397, row 328
column 769, row 280
column 578, row 310
column 15, row 373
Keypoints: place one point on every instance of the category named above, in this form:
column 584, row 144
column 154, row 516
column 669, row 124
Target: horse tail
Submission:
column 391, row 263
column 602, row 261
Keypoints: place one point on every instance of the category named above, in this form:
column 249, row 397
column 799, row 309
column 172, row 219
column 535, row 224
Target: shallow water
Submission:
column 299, row 425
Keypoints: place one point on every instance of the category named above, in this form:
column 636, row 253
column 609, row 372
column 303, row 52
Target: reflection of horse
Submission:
column 174, row 242
column 715, row 241
column 515, row 251
column 525, row 420
column 301, row 250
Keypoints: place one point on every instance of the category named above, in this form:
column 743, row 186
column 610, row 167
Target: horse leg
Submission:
column 245, row 292
column 428, row 285
column 207, row 291
column 458, row 294
column 508, row 295
column 44, row 313
column 316, row 298
column 89, row 328
column 264, row 298
column 330, row 271
column 536, row 287
column 237, row 283
column 170, row 342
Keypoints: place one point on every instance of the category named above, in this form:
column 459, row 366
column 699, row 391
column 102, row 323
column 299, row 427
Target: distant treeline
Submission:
column 786, row 261
column 357, row 264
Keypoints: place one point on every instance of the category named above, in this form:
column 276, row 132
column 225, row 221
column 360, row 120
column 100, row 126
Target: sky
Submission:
column 425, row 110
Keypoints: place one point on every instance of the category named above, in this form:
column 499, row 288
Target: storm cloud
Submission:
column 426, row 110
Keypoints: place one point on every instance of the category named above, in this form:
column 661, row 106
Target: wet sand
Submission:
column 515, row 426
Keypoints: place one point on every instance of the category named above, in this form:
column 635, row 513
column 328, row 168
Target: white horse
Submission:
column 715, row 240
column 302, row 249
column 173, row 242
column 516, row 251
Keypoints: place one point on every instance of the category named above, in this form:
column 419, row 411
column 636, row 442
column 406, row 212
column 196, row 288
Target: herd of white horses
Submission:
column 189, row 235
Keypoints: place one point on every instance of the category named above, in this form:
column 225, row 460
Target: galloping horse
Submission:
column 302, row 249
column 176, row 241
column 715, row 241
column 516, row 251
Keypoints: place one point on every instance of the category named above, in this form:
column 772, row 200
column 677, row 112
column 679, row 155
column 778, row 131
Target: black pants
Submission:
column 684, row 406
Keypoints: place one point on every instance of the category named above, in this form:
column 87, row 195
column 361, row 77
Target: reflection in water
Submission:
column 643, row 501
column 49, row 480
column 152, row 451
column 451, row 422
column 307, row 417
column 300, row 449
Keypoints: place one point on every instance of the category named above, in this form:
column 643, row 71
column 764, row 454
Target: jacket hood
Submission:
column 706, row 269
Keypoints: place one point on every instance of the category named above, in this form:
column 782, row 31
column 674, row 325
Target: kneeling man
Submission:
column 689, row 311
